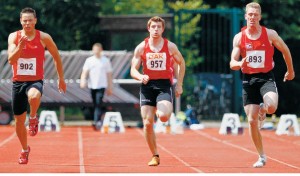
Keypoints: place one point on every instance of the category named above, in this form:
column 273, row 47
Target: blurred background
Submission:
column 202, row 29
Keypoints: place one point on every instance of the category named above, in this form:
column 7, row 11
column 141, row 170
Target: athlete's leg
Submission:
column 252, row 114
column 164, row 110
column 21, row 129
column 34, row 99
column 148, row 113
column 270, row 103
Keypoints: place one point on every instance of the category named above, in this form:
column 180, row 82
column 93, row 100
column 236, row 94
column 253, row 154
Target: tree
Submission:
column 72, row 24
column 282, row 16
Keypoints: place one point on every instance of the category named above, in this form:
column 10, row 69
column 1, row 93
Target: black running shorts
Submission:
column 155, row 91
column 255, row 86
column 19, row 95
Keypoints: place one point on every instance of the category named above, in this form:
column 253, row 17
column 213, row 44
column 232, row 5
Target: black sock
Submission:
column 156, row 155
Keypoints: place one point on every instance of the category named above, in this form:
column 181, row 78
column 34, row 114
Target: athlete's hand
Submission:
column 244, row 62
column 289, row 75
column 178, row 90
column 62, row 87
column 144, row 79
column 23, row 40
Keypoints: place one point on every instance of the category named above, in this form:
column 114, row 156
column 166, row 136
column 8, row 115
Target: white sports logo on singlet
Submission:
column 256, row 58
column 26, row 66
column 156, row 61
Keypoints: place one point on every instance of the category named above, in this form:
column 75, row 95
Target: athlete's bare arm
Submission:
column 283, row 48
column 14, row 51
column 136, row 64
column 235, row 63
column 52, row 48
column 178, row 58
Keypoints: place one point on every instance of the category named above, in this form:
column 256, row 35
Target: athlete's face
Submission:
column 252, row 17
column 28, row 22
column 156, row 29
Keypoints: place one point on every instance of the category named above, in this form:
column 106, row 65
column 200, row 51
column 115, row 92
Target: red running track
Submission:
column 82, row 150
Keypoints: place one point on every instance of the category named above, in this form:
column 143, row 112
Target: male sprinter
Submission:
column 157, row 56
column 255, row 43
column 26, row 54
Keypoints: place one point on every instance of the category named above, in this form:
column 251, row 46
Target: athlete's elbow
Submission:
column 132, row 74
column 10, row 61
column 234, row 66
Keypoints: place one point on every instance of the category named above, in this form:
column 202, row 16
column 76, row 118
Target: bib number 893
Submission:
column 255, row 59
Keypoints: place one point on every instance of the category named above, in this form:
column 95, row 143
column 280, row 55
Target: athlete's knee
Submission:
column 20, row 120
column 271, row 109
column 270, row 104
column 253, row 122
column 34, row 97
column 163, row 116
column 148, row 124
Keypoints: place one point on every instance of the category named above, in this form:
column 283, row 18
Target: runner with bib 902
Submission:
column 26, row 54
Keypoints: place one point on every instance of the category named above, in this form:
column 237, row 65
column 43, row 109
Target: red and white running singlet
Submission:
column 157, row 65
column 30, row 65
column 259, row 52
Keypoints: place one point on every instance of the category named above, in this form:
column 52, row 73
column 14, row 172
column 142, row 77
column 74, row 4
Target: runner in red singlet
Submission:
column 255, row 44
column 26, row 54
column 157, row 56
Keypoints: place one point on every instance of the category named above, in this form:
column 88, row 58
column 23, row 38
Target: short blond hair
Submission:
column 254, row 5
column 156, row 19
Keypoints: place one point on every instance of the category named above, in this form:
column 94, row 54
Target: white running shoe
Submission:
column 261, row 113
column 260, row 162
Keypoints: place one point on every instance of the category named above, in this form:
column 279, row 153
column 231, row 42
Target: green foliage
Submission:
column 188, row 31
column 121, row 7
column 72, row 24
column 285, row 20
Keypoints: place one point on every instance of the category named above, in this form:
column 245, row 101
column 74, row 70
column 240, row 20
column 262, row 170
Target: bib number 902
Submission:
column 26, row 66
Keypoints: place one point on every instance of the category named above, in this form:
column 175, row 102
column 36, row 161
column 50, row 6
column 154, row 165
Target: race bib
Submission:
column 156, row 61
column 26, row 66
column 256, row 59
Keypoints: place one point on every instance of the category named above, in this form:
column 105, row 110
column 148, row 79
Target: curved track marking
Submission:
column 80, row 150
column 242, row 148
column 173, row 155
column 7, row 139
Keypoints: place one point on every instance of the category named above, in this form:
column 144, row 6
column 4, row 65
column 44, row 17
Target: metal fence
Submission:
column 214, row 44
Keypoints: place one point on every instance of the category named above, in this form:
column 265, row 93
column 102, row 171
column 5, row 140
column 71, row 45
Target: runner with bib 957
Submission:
column 157, row 56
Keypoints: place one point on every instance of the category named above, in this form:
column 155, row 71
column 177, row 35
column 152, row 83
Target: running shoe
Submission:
column 33, row 126
column 155, row 161
column 260, row 162
column 24, row 157
column 261, row 112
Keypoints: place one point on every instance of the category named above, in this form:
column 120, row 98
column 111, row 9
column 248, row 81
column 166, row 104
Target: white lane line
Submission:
column 173, row 155
column 80, row 147
column 7, row 139
column 242, row 148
